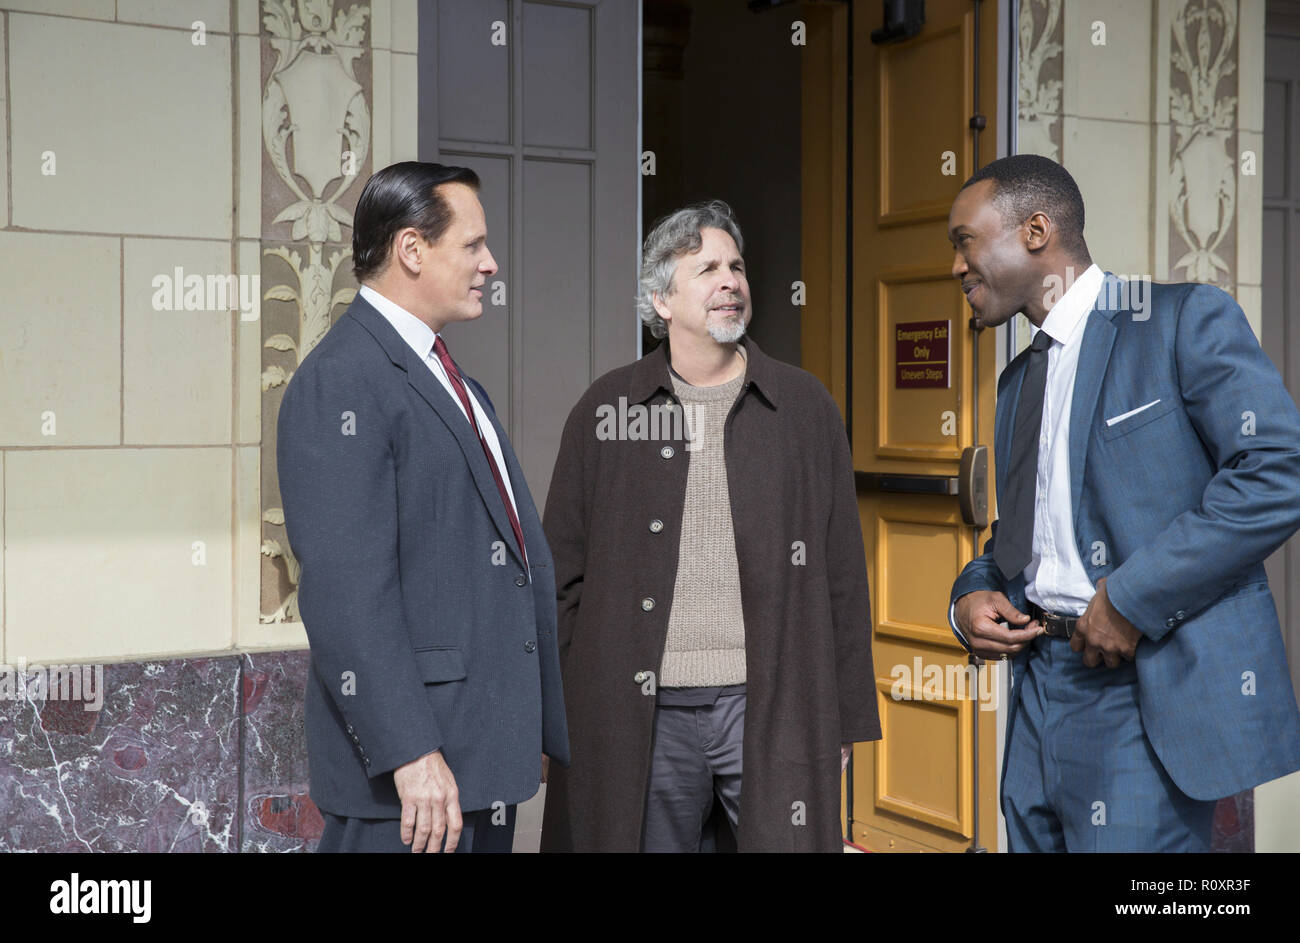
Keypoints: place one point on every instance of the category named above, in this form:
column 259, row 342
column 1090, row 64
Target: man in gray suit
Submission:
column 427, row 590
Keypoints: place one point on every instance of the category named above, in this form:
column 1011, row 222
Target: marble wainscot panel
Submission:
column 278, row 815
column 154, row 768
column 1234, row 824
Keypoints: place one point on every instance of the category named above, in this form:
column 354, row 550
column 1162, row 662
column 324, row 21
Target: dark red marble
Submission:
column 278, row 814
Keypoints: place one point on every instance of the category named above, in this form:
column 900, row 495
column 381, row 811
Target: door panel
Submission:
column 533, row 95
column 910, row 107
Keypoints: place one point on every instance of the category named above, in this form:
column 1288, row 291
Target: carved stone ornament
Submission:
column 316, row 128
column 1039, row 105
column 1203, row 177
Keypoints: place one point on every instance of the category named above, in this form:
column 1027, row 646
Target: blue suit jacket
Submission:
column 1178, row 506
column 425, row 631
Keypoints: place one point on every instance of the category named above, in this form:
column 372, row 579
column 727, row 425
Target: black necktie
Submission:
column 1015, row 543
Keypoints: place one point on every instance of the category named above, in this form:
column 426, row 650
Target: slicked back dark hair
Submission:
column 1024, row 184
column 396, row 197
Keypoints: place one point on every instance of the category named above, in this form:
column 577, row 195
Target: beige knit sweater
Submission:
column 706, row 627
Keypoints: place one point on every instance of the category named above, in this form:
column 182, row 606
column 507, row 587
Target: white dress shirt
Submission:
column 420, row 337
column 1055, row 578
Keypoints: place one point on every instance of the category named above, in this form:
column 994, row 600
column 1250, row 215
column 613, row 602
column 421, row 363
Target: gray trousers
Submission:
column 696, row 753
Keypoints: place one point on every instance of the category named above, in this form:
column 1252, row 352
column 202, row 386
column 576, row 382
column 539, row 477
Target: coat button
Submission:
column 656, row 526
column 349, row 729
column 356, row 739
column 1180, row 615
column 666, row 452
column 521, row 580
column 647, row 604
column 365, row 760
column 1171, row 622
column 639, row 677
column 530, row 646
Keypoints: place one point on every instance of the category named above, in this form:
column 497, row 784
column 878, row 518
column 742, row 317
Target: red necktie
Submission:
column 459, row 386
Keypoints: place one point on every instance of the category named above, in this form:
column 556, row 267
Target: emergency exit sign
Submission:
column 921, row 354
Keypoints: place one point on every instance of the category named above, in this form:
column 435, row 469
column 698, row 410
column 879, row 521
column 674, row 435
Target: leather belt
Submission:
column 1057, row 626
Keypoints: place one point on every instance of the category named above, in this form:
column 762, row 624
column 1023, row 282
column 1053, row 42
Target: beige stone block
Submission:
column 1250, row 209
column 1161, row 185
column 1251, row 299
column 248, row 353
column 213, row 14
column 249, row 117
column 176, row 387
column 257, row 636
column 406, row 26
column 78, row 89
column 1250, row 65
column 406, row 108
column 1111, row 80
column 1111, row 162
column 1162, row 42
column 60, row 340
column 4, row 133
column 250, row 633
column 1277, row 822
column 117, row 553
column 248, row 539
column 248, row 16
column 381, row 24
column 382, row 110
column 92, row 9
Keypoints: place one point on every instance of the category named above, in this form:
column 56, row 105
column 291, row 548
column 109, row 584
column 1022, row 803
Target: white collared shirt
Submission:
column 1055, row 578
column 420, row 338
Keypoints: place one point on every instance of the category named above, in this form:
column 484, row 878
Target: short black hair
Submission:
column 401, row 195
column 1024, row 184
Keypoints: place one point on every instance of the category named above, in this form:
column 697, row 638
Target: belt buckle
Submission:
column 1062, row 625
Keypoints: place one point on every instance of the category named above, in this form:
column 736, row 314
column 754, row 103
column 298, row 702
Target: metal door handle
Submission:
column 973, row 486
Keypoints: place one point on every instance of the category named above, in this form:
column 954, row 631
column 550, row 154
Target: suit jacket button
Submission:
column 521, row 580
column 356, row 739
column 666, row 452
column 656, row 526
column 639, row 677
column 1171, row 622
column 530, row 646
column 647, row 604
column 365, row 760
column 1180, row 615
column 349, row 729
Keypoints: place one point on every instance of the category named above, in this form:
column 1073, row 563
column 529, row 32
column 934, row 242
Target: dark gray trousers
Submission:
column 696, row 753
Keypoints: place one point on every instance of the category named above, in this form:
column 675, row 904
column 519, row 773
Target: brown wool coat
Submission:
column 810, row 683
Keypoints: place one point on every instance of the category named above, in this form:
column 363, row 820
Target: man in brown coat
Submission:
column 714, row 623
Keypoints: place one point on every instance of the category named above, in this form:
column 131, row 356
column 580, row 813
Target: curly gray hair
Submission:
column 673, row 236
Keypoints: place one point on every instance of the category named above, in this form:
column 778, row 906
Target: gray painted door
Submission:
column 541, row 99
column 1281, row 269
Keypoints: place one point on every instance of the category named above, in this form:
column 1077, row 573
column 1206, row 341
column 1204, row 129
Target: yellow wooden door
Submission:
column 915, row 388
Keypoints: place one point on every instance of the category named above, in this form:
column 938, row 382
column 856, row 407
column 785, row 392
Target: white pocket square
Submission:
column 1132, row 412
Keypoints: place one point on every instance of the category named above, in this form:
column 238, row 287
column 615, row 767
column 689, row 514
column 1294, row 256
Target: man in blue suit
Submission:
column 427, row 591
column 1148, row 461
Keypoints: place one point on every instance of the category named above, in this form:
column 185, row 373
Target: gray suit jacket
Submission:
column 426, row 632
